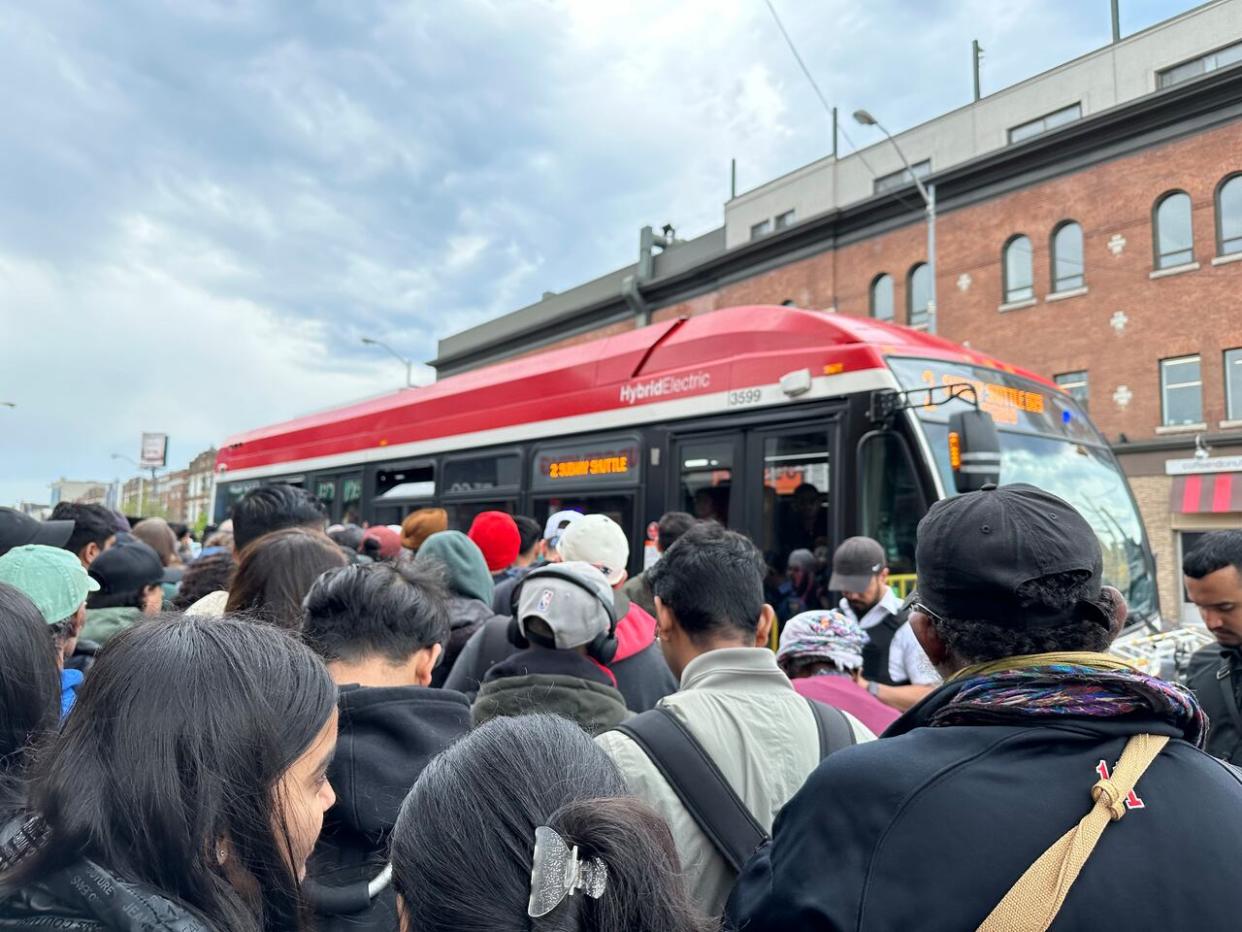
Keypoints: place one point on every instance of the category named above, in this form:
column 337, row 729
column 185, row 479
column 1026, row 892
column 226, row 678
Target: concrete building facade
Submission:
column 83, row 492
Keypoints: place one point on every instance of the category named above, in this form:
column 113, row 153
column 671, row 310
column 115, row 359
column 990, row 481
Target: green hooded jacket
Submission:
column 463, row 560
column 102, row 623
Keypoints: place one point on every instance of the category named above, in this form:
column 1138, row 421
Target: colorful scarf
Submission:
column 1069, row 689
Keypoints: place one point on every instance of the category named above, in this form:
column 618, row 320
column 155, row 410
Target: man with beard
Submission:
column 1213, row 572
column 895, row 669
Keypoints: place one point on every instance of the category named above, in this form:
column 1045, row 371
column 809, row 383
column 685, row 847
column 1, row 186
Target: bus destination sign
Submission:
column 615, row 461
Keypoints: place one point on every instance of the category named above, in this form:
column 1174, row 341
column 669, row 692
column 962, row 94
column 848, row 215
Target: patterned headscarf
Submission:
column 822, row 635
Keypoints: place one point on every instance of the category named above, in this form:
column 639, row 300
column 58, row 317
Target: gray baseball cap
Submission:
column 573, row 599
column 857, row 561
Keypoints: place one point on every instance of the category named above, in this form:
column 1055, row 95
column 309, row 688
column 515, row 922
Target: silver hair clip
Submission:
column 558, row 872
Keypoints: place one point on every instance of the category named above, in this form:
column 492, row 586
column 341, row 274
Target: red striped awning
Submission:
column 1212, row 493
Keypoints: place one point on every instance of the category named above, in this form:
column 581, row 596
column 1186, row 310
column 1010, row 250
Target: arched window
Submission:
column 1229, row 216
column 918, row 295
column 1174, row 236
column 1067, row 263
column 1019, row 282
column 882, row 297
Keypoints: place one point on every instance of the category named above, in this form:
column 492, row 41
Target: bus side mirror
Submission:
column 974, row 450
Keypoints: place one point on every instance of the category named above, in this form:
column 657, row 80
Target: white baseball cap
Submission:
column 557, row 524
column 598, row 540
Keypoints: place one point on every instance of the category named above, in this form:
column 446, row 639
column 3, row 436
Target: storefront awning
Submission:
column 1211, row 493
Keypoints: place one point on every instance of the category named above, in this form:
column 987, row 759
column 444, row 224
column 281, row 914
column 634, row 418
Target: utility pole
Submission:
column 1116, row 11
column 976, row 54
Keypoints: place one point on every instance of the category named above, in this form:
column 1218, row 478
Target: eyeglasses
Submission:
column 914, row 604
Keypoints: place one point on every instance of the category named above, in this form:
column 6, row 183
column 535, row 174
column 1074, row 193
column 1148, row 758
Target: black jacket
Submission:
column 467, row 615
column 928, row 828
column 1215, row 675
column 86, row 898
column 386, row 737
column 558, row 682
column 642, row 672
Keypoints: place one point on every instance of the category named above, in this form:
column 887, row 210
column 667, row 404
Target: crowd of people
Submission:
column 293, row 726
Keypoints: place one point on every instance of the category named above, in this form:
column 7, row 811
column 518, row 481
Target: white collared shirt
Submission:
column 907, row 662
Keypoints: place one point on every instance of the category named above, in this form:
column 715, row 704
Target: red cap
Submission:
column 389, row 541
column 496, row 534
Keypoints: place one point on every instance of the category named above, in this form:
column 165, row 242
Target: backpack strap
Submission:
column 834, row 728
column 698, row 783
column 1032, row 903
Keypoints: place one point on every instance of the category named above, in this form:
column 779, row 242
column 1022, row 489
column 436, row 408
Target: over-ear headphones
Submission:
column 603, row 647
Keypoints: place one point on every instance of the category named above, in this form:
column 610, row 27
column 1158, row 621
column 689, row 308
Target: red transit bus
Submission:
column 799, row 428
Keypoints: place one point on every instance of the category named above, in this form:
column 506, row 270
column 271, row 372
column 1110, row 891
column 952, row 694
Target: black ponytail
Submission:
column 463, row 846
column 646, row 889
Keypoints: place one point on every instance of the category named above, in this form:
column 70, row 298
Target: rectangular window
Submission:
column 405, row 481
column 487, row 472
column 1221, row 58
column 900, row 179
column 1075, row 383
column 762, row 228
column 1233, row 384
column 1181, row 391
column 1049, row 121
column 784, row 220
column 707, row 479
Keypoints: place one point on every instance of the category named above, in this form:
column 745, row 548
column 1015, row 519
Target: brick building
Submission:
column 1089, row 227
column 200, row 477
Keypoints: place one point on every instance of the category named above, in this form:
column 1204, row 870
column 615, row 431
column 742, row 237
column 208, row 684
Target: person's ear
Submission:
column 929, row 639
column 763, row 630
column 89, row 553
column 1121, row 611
column 621, row 582
column 664, row 620
column 884, row 577
column 425, row 661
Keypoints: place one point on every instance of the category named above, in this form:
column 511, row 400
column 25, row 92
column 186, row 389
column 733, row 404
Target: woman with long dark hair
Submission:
column 186, row 789
column 29, row 693
column 277, row 570
column 525, row 824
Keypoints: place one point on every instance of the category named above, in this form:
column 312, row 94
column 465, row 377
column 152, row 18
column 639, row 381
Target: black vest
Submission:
column 875, row 651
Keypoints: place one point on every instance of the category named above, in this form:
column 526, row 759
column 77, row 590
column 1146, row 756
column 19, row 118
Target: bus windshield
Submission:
column 1048, row 441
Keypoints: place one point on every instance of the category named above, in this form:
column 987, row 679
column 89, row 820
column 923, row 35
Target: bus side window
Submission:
column 890, row 499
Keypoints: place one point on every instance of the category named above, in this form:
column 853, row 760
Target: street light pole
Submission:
column 409, row 365
column 928, row 193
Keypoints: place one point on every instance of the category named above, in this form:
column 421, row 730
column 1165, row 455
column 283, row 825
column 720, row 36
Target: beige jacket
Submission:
column 757, row 729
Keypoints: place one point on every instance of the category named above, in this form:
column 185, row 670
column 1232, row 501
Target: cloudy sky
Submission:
column 205, row 204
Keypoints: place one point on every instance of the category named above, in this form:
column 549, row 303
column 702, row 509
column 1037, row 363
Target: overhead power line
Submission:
column 824, row 101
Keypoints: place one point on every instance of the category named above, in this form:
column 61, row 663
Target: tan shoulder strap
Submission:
column 1034, row 901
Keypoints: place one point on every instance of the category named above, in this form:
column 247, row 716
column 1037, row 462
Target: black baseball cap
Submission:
column 18, row 528
column 127, row 568
column 857, row 561
column 975, row 550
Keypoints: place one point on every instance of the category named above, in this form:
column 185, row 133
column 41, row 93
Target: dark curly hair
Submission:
column 978, row 641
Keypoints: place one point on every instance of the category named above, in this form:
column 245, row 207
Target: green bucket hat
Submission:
column 53, row 579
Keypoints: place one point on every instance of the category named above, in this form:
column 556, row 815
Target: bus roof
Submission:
column 674, row 368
